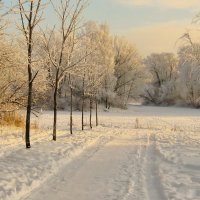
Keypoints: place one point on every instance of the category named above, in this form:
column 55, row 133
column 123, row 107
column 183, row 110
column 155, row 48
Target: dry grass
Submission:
column 16, row 120
column 137, row 124
column 12, row 119
column 34, row 125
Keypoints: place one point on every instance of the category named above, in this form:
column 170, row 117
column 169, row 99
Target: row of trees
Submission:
column 72, row 65
column 78, row 65
column 174, row 79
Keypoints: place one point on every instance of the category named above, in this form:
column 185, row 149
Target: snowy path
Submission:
column 102, row 172
column 144, row 153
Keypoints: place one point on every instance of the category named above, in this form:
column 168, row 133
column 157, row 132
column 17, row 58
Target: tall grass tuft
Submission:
column 12, row 119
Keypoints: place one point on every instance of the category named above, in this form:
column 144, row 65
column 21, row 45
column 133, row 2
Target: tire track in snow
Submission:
column 132, row 172
column 153, row 183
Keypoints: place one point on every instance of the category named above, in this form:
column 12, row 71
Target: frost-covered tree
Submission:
column 104, row 61
column 99, row 76
column 189, row 73
column 93, row 68
column 30, row 15
column 161, row 88
column 101, row 72
column 59, row 46
column 129, row 71
column 113, row 65
column 12, row 81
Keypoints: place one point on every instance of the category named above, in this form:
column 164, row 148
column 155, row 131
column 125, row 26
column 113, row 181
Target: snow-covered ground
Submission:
column 143, row 153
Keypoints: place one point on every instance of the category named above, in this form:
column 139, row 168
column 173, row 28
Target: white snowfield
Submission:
column 143, row 153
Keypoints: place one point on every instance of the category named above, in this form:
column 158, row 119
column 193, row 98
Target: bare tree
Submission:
column 60, row 46
column 30, row 14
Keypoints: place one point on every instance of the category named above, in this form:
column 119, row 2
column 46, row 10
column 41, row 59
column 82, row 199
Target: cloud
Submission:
column 166, row 3
column 161, row 37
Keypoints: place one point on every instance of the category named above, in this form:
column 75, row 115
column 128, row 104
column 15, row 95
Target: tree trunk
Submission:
column 124, row 92
column 83, row 102
column 106, row 89
column 106, row 102
column 30, row 86
column 71, row 109
column 97, row 123
column 90, row 113
column 28, row 111
column 55, row 107
column 129, row 93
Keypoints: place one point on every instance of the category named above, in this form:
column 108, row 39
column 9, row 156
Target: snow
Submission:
column 143, row 153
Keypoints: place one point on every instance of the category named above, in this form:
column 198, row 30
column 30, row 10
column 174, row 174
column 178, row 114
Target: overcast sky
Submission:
column 153, row 25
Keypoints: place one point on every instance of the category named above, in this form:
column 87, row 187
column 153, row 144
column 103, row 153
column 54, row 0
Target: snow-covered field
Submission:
column 143, row 153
